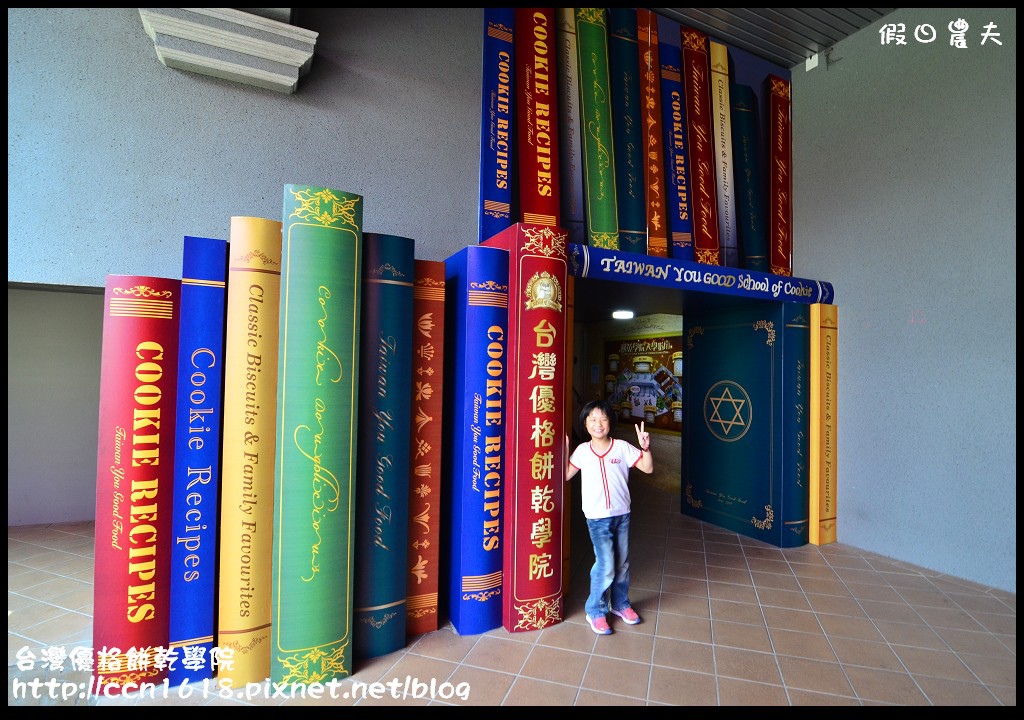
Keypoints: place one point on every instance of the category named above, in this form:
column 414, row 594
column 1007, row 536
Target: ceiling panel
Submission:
column 784, row 36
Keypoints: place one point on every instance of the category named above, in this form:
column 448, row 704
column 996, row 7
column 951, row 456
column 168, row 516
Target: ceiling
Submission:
column 594, row 299
column 784, row 36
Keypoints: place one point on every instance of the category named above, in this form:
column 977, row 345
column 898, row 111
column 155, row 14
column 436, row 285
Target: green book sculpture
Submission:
column 314, row 468
column 596, row 128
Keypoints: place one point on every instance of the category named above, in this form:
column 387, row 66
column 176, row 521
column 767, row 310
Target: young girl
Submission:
column 605, row 463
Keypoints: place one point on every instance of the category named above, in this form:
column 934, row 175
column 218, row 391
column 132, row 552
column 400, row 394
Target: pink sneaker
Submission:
column 599, row 625
column 628, row 615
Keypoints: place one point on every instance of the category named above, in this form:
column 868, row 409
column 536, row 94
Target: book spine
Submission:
column 653, row 134
column 425, row 516
column 780, row 177
column 496, row 122
column 535, row 426
column 537, row 116
column 749, row 187
column 627, row 129
column 382, row 486
column 590, row 262
column 721, row 117
column 570, row 148
column 697, row 92
column 134, row 479
column 200, row 412
column 314, row 465
column 597, row 133
column 822, row 528
column 567, row 413
column 795, row 428
column 246, row 531
column 476, row 299
column 677, row 162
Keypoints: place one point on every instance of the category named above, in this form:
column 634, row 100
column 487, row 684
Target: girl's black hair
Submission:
column 604, row 407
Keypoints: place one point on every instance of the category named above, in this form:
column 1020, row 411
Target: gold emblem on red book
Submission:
column 544, row 291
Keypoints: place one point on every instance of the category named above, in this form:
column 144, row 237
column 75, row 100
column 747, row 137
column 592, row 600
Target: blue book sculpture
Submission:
column 496, row 130
column 382, row 467
column 677, row 160
column 193, row 542
column 746, row 419
column 476, row 299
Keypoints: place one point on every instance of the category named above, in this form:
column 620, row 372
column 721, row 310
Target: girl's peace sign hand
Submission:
column 644, row 438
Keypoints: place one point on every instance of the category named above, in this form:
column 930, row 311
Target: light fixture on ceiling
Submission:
column 622, row 314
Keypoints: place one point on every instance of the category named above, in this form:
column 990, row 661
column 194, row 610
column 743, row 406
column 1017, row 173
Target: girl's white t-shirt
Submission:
column 605, row 478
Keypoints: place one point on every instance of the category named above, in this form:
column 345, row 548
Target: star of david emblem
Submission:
column 727, row 411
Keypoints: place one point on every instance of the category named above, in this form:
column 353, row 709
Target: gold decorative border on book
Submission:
column 255, row 255
column 780, row 87
column 143, row 291
column 539, row 614
column 689, row 497
column 204, row 283
column 708, row 257
column 243, row 649
column 323, row 207
column 591, row 15
column 160, row 309
column 489, row 285
column 378, row 624
column 481, row 596
column 544, row 241
column 424, row 293
column 316, row 665
column 606, row 241
column 694, row 40
column 765, row 524
column 495, row 209
column 386, row 268
column 769, row 326
column 416, row 602
column 488, row 299
column 499, row 31
column 539, row 219
column 481, row 582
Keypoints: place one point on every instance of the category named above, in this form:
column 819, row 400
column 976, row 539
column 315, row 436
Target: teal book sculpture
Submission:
column 627, row 129
column 382, row 473
column 750, row 183
column 746, row 420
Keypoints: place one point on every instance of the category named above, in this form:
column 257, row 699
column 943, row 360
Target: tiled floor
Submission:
column 726, row 621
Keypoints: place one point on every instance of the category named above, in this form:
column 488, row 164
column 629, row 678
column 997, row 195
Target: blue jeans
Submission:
column 610, row 574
